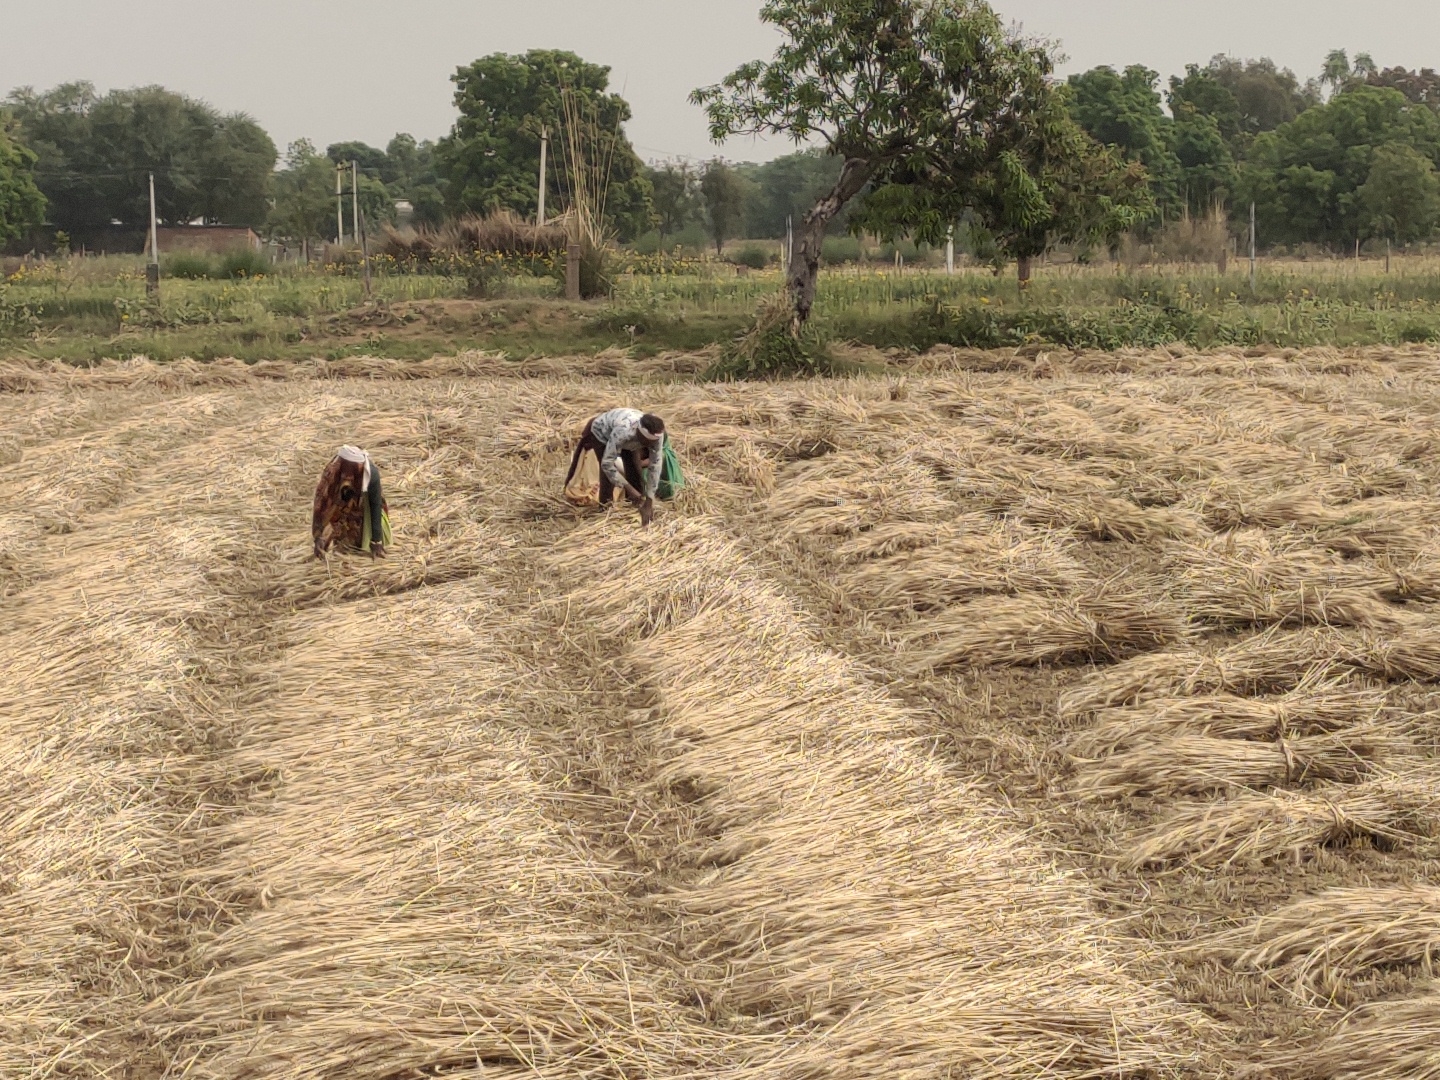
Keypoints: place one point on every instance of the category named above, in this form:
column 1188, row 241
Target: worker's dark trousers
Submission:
column 628, row 462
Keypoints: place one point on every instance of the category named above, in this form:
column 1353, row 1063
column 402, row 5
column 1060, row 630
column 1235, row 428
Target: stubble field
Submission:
column 1013, row 715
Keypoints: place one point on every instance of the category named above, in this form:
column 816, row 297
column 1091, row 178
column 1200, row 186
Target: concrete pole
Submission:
column 355, row 199
column 572, row 272
column 339, row 209
column 152, row 271
column 1252, row 247
column 544, row 146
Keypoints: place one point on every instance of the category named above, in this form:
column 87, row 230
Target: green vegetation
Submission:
column 886, row 87
column 21, row 203
column 86, row 309
column 928, row 121
column 95, row 153
column 491, row 160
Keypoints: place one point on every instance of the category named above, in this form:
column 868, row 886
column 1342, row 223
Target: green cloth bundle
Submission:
column 671, row 478
column 375, row 511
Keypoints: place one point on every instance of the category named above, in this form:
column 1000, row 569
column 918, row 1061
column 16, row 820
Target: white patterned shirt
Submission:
column 617, row 430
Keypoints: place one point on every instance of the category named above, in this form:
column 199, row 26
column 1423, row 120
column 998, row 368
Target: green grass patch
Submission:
column 83, row 309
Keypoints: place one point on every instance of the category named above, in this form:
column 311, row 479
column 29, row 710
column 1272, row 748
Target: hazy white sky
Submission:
column 364, row 69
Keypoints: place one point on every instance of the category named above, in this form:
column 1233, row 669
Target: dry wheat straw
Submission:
column 1315, row 707
column 1253, row 828
column 1103, row 623
column 1339, row 933
column 1388, row 1040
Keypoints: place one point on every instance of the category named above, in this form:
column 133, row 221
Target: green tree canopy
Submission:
column 677, row 198
column 1400, row 199
column 21, row 203
column 1419, row 87
column 1208, row 173
column 95, row 155
column 919, row 99
column 491, row 159
column 1060, row 186
column 1305, row 177
column 305, row 196
column 787, row 187
column 371, row 161
column 725, row 193
column 1244, row 97
column 1124, row 112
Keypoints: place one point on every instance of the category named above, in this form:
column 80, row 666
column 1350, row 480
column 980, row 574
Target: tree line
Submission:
column 1348, row 156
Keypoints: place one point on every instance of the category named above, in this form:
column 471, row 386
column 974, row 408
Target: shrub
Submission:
column 769, row 350
column 595, row 277
column 753, row 256
column 245, row 263
column 191, row 265
column 840, row 249
column 500, row 233
column 641, row 319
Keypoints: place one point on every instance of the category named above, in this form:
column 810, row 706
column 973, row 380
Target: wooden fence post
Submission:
column 572, row 272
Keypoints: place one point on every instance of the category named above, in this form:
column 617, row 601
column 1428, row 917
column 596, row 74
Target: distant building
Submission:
column 211, row 239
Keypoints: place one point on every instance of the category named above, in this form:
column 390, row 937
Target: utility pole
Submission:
column 1252, row 248
column 152, row 271
column 950, row 250
column 365, row 252
column 339, row 208
column 544, row 146
column 789, row 241
column 355, row 199
column 1387, row 255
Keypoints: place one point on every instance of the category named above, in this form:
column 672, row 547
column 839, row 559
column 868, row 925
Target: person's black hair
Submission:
column 653, row 424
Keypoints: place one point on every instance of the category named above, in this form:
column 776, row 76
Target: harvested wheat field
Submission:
column 1005, row 716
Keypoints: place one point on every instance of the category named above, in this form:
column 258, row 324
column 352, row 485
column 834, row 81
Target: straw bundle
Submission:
column 1316, row 707
column 1275, row 660
column 1338, row 933
column 749, row 466
column 1377, row 526
column 1246, row 578
column 845, row 493
column 1000, row 560
column 1328, row 505
column 1413, row 653
column 1253, row 828
column 1104, row 623
column 896, row 537
column 1387, row 1040
column 688, row 564
column 1196, row 764
column 1107, row 518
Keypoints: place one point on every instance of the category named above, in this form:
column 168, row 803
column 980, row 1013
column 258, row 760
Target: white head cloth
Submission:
column 356, row 455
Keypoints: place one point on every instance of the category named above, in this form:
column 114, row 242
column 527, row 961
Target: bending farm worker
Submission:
column 350, row 509
column 630, row 445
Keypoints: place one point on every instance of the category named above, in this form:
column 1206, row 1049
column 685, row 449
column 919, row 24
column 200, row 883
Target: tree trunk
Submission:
column 805, row 259
column 1022, row 266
